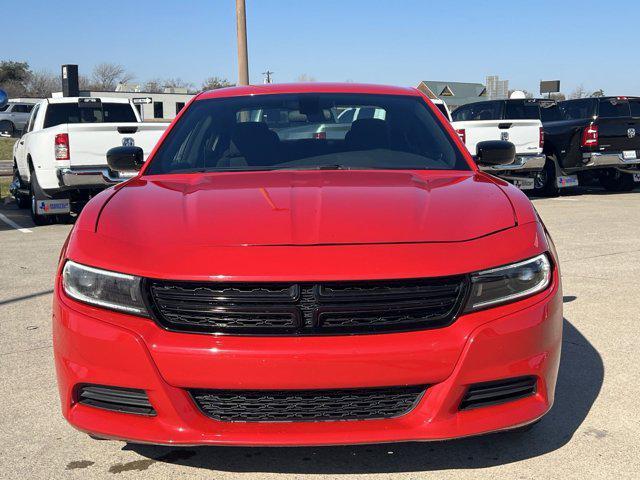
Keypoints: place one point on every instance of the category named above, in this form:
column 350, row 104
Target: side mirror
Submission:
column 125, row 159
column 495, row 152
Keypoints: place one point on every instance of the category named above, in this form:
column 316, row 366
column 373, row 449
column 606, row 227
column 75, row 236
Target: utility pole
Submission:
column 267, row 76
column 243, row 58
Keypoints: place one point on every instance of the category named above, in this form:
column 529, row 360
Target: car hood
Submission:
column 306, row 208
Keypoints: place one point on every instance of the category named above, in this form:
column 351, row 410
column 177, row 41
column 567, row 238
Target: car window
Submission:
column 634, row 107
column 32, row 118
column 490, row 110
column 346, row 116
column 522, row 110
column 443, row 109
column 21, row 108
column 613, row 108
column 61, row 113
column 225, row 135
column 576, row 109
column 549, row 112
column 5, row 108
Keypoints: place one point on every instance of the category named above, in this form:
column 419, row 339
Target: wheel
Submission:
column 7, row 128
column 36, row 195
column 617, row 181
column 546, row 181
column 23, row 201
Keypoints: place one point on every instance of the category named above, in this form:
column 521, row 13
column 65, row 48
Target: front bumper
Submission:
column 520, row 339
column 90, row 177
column 522, row 163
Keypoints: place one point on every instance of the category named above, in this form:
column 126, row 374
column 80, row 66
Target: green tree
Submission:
column 14, row 77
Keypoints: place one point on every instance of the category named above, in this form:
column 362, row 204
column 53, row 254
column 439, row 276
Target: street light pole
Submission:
column 243, row 58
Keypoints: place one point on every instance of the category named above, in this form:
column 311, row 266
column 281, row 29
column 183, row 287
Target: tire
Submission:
column 36, row 195
column 21, row 200
column 546, row 182
column 7, row 127
column 617, row 181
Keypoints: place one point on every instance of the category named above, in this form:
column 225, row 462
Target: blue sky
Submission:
column 396, row 42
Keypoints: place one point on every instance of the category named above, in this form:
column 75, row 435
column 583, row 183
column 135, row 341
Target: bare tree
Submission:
column 85, row 83
column 155, row 85
column 598, row 93
column 578, row 92
column 42, row 84
column 212, row 83
column 559, row 97
column 106, row 76
column 303, row 77
column 177, row 83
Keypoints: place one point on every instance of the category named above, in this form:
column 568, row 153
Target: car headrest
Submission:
column 368, row 133
column 254, row 139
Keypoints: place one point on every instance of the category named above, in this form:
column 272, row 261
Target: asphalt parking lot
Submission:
column 592, row 431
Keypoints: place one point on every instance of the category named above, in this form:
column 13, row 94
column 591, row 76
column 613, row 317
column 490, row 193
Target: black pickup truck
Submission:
column 591, row 138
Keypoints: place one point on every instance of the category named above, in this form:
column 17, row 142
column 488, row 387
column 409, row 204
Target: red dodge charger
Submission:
column 307, row 264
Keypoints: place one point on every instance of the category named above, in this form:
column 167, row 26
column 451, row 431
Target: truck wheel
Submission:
column 23, row 201
column 7, row 128
column 546, row 182
column 617, row 181
column 36, row 195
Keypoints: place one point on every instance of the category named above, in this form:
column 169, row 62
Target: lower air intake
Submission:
column 501, row 391
column 307, row 405
column 117, row 399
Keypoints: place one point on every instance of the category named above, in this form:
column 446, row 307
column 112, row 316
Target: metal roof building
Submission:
column 454, row 94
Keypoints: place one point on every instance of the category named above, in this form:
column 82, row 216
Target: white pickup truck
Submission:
column 60, row 160
column 516, row 121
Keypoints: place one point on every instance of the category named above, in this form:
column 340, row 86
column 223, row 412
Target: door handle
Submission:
column 21, row 142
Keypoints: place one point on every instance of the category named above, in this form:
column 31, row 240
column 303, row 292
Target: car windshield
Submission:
column 307, row 131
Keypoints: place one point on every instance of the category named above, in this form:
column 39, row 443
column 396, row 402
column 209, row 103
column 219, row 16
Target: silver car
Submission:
column 14, row 116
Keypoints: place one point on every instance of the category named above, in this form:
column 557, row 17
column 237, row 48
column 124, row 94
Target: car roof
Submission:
column 307, row 87
column 75, row 99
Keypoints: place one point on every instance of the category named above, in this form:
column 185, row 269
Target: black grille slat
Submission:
column 500, row 391
column 307, row 405
column 307, row 308
column 117, row 399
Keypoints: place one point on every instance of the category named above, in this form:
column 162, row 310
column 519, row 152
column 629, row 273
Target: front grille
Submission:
column 307, row 405
column 500, row 391
column 306, row 308
column 117, row 399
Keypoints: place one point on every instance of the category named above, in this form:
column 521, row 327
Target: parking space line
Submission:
column 13, row 224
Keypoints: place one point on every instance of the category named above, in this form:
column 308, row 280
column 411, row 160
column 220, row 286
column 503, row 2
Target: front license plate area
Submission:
column 567, row 181
column 523, row 183
column 636, row 177
column 629, row 155
column 54, row 207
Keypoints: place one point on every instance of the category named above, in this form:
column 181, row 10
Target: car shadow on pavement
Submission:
column 580, row 379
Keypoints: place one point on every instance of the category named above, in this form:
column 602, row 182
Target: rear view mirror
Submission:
column 495, row 152
column 125, row 159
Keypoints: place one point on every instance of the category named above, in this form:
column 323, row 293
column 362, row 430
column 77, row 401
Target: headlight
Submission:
column 508, row 283
column 103, row 288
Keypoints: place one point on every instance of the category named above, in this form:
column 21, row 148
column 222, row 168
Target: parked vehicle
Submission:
column 13, row 117
column 443, row 107
column 260, row 291
column 516, row 121
column 593, row 138
column 59, row 162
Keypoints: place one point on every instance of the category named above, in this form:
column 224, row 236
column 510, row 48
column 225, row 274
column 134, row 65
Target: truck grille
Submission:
column 307, row 405
column 306, row 308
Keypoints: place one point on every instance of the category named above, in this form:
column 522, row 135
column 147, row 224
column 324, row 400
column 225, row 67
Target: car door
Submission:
column 21, row 146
